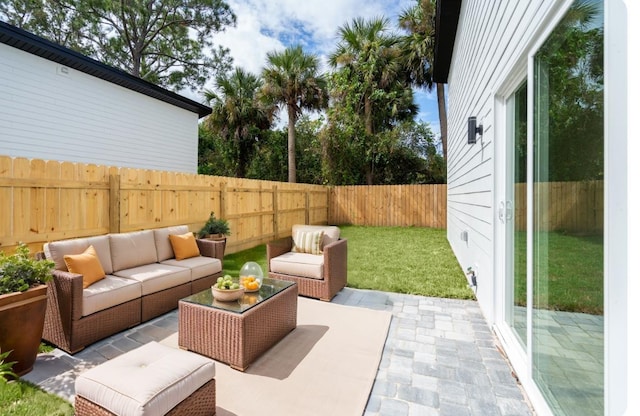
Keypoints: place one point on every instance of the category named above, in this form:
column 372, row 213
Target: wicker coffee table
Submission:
column 238, row 332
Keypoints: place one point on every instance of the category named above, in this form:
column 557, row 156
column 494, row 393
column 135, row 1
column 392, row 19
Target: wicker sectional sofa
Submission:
column 142, row 280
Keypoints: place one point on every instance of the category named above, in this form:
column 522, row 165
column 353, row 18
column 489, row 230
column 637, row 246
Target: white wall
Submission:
column 501, row 30
column 47, row 114
column 492, row 37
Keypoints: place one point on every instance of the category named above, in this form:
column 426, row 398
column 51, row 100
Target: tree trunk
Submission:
column 368, row 128
column 442, row 111
column 291, row 144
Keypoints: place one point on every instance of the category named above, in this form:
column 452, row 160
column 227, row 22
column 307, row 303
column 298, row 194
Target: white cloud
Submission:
column 267, row 25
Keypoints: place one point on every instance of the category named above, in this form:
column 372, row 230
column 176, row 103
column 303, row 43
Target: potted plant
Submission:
column 23, row 303
column 214, row 228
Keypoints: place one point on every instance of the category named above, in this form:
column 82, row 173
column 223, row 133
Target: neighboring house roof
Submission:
column 447, row 12
column 46, row 49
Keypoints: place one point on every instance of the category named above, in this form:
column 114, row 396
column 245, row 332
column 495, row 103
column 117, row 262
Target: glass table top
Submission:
column 270, row 287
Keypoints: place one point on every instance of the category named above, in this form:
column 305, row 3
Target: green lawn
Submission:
column 571, row 270
column 20, row 398
column 392, row 259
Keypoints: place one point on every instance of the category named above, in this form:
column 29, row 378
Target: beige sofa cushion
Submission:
column 299, row 264
column 200, row 266
column 331, row 232
column 56, row 251
column 161, row 237
column 108, row 292
column 150, row 380
column 132, row 249
column 155, row 277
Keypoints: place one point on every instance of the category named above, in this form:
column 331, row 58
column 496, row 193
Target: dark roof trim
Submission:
column 30, row 43
column 447, row 13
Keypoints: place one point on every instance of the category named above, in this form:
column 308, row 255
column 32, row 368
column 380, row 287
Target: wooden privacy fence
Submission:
column 43, row 201
column 389, row 205
column 574, row 207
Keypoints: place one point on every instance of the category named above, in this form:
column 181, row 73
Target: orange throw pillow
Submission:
column 87, row 264
column 184, row 245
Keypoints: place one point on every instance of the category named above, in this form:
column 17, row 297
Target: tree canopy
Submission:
column 166, row 42
column 292, row 79
column 238, row 116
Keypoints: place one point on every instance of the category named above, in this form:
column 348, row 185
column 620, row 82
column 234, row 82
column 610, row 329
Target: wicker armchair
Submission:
column 319, row 276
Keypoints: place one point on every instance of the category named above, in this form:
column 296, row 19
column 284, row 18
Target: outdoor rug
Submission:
column 326, row 366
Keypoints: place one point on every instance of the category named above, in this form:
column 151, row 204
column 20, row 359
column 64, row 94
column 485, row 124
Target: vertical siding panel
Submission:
column 150, row 133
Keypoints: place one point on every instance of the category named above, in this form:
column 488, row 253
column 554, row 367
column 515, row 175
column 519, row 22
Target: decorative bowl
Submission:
column 227, row 295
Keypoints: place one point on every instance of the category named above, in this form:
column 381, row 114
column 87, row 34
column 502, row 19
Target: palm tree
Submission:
column 291, row 79
column 237, row 115
column 369, row 57
column 418, row 51
column 371, row 54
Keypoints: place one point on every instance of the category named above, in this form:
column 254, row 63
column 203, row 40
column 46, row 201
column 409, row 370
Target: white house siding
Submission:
column 48, row 114
column 492, row 36
column 490, row 39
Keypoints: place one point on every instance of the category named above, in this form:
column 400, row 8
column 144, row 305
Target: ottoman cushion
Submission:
column 150, row 380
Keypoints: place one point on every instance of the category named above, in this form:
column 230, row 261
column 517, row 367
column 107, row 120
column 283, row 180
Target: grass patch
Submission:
column 392, row 259
column 21, row 398
column 572, row 271
column 408, row 260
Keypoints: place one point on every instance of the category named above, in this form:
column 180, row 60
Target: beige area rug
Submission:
column 326, row 366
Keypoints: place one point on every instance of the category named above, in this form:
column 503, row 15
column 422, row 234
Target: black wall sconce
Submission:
column 473, row 129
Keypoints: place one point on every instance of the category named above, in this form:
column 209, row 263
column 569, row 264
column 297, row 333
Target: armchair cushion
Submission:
column 331, row 232
column 308, row 242
column 299, row 264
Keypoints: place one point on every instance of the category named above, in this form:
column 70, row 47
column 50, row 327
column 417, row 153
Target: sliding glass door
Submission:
column 552, row 214
column 513, row 213
column 568, row 200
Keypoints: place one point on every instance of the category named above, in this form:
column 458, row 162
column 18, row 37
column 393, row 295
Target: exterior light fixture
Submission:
column 473, row 129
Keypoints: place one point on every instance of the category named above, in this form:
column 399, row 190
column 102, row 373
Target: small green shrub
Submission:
column 6, row 367
column 214, row 226
column 20, row 271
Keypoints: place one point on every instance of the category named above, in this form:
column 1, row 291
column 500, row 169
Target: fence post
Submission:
column 114, row 203
column 306, row 208
column 275, row 212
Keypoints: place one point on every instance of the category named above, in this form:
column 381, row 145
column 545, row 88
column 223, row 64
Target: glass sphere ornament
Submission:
column 251, row 276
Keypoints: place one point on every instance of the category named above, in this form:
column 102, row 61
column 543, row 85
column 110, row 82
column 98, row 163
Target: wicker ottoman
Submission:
column 151, row 380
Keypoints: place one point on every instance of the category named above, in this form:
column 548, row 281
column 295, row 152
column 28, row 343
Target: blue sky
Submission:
column 268, row 25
